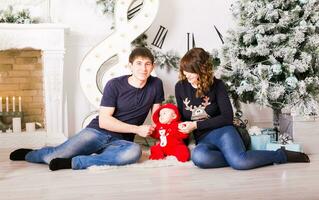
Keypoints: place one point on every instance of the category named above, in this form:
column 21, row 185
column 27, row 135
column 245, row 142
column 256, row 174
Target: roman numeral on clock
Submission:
column 189, row 39
column 160, row 37
column 131, row 12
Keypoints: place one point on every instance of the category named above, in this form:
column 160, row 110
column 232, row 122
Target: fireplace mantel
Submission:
column 49, row 38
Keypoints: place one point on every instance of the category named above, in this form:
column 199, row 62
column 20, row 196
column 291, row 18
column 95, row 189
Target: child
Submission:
column 171, row 142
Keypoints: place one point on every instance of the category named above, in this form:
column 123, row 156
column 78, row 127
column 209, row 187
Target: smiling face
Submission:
column 167, row 115
column 141, row 68
column 192, row 78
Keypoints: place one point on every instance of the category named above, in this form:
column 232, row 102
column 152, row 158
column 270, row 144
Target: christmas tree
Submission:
column 272, row 57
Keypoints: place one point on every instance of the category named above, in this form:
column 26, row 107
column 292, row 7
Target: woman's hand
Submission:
column 187, row 127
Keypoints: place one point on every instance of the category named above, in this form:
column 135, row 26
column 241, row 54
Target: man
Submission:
column 124, row 107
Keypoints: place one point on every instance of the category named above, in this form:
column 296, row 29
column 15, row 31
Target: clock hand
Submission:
column 219, row 34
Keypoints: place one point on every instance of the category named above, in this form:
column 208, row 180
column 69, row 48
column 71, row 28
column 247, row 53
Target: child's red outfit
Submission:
column 171, row 140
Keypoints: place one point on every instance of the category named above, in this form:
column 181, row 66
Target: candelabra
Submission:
column 6, row 119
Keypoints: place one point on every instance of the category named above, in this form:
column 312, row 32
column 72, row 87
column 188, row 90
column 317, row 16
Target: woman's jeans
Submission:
column 109, row 150
column 224, row 147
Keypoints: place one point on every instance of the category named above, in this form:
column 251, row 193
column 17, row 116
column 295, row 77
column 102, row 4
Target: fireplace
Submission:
column 21, row 88
column 48, row 41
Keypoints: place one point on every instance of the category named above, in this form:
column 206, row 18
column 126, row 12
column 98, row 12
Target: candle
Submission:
column 0, row 104
column 20, row 104
column 13, row 104
column 7, row 104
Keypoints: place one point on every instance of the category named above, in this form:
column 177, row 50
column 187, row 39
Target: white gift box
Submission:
column 16, row 124
column 30, row 127
column 304, row 131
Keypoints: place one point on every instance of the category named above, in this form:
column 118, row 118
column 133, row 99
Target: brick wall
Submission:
column 21, row 74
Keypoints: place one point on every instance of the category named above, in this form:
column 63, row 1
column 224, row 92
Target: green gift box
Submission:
column 259, row 142
column 290, row 147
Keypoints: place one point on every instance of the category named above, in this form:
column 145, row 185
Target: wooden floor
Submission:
column 22, row 180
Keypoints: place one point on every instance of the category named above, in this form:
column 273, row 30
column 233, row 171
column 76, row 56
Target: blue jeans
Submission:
column 223, row 147
column 109, row 150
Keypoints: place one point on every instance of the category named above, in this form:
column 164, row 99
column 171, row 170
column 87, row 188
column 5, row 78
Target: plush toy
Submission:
column 170, row 142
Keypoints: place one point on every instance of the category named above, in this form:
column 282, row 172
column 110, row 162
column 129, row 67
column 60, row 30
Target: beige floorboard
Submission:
column 22, row 180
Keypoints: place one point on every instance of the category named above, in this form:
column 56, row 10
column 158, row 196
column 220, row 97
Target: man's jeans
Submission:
column 223, row 147
column 109, row 150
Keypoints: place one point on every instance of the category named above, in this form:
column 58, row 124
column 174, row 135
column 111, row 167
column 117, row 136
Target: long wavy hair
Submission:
column 197, row 61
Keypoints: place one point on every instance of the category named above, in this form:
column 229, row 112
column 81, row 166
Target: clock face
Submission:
column 181, row 23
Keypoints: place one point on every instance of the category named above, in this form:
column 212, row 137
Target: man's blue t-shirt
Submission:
column 132, row 105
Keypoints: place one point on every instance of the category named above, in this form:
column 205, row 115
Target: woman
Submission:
column 206, row 109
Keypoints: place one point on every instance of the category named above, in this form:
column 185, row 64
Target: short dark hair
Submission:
column 141, row 52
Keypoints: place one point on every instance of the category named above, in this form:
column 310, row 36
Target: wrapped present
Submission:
column 286, row 124
column 290, row 147
column 259, row 142
column 254, row 130
column 271, row 132
column 305, row 131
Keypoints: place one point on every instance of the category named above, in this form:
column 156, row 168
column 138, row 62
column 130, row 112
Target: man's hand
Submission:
column 145, row 130
column 187, row 127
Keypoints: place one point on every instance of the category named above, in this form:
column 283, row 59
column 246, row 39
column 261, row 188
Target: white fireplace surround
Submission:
column 49, row 38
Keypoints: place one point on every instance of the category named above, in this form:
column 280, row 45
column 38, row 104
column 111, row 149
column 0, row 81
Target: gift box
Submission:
column 286, row 124
column 271, row 132
column 304, row 131
column 259, row 142
column 290, row 147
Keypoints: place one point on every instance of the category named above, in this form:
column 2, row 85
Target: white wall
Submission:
column 88, row 26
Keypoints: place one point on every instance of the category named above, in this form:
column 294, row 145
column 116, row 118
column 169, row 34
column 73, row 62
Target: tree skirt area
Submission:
column 144, row 162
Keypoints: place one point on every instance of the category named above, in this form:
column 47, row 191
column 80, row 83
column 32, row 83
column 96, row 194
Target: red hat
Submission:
column 170, row 106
